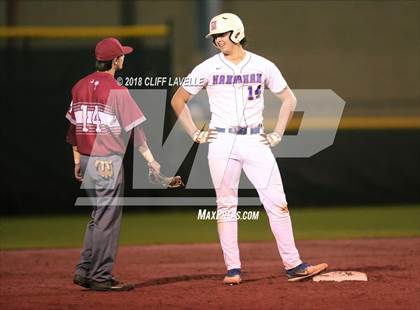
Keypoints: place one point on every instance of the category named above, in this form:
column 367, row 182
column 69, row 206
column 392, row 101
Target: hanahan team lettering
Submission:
column 237, row 79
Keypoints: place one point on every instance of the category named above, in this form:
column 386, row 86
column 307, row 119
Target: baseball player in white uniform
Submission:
column 235, row 80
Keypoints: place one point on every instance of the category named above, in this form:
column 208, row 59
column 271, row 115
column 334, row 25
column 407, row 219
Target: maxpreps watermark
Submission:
column 322, row 110
column 217, row 215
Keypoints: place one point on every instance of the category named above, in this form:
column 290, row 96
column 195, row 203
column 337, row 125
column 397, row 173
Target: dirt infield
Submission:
column 190, row 277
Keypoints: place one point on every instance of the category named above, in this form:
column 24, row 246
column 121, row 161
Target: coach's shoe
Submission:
column 111, row 285
column 305, row 271
column 233, row 276
column 80, row 280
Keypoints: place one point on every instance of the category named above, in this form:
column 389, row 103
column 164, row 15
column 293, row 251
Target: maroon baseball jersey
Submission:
column 102, row 115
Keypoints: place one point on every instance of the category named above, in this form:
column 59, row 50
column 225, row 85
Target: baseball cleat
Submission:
column 233, row 277
column 80, row 280
column 110, row 285
column 304, row 271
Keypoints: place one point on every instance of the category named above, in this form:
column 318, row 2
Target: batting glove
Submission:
column 271, row 139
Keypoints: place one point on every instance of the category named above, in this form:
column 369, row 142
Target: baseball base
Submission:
column 339, row 276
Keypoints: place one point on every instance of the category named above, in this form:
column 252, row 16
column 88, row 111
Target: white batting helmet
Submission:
column 227, row 22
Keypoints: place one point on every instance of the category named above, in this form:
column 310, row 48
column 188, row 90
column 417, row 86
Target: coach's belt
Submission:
column 241, row 130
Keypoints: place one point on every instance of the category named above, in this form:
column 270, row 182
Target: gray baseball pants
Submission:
column 102, row 232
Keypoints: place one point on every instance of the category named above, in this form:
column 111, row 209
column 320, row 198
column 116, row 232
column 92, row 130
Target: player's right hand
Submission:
column 78, row 173
column 204, row 136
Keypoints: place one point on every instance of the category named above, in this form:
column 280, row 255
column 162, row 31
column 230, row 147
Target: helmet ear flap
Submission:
column 232, row 36
column 236, row 36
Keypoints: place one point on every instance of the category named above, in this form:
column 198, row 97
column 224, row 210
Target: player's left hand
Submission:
column 271, row 139
column 154, row 167
column 164, row 181
column 204, row 136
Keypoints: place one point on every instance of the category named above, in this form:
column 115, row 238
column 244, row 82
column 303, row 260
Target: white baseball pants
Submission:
column 228, row 155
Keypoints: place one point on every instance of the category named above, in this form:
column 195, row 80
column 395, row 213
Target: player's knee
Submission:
column 227, row 202
column 283, row 208
column 277, row 212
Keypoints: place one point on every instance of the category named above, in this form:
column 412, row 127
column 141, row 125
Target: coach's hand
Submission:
column 271, row 139
column 204, row 136
column 78, row 172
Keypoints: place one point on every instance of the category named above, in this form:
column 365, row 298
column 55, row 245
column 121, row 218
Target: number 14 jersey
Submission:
column 102, row 114
column 235, row 91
